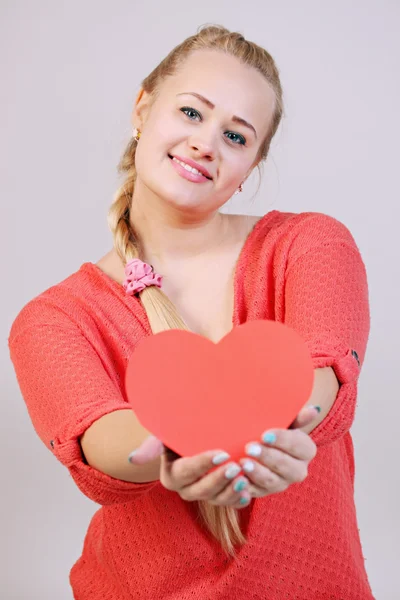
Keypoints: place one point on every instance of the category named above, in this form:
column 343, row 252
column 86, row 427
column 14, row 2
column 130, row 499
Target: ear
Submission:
column 141, row 109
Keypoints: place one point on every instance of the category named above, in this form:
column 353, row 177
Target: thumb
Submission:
column 306, row 416
column 149, row 450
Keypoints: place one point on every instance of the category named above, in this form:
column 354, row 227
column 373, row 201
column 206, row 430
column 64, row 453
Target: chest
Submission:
column 206, row 300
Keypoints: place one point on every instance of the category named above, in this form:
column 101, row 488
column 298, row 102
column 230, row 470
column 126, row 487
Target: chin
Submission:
column 173, row 195
column 185, row 205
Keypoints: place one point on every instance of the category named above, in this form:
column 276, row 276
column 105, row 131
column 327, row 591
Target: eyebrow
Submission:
column 211, row 105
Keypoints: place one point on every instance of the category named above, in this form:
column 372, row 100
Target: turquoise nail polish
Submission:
column 317, row 408
column 220, row 458
column 132, row 454
column 240, row 485
column 269, row 437
column 254, row 450
column 243, row 501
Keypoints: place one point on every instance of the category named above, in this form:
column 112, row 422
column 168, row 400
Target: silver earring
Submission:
column 136, row 134
column 240, row 189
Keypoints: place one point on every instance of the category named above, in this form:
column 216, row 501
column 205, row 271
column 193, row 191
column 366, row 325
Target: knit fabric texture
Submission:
column 70, row 347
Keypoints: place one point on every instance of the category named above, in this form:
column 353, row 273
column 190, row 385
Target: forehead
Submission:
column 233, row 87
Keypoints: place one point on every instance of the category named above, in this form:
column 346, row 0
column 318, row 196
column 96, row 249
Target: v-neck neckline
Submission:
column 118, row 288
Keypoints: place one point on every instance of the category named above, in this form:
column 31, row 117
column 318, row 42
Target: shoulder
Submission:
column 311, row 226
column 60, row 305
column 295, row 234
column 279, row 240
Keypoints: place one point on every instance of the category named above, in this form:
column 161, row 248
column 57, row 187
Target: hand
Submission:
column 191, row 478
column 282, row 458
column 196, row 478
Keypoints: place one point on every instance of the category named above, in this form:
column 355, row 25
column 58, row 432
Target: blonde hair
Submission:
column 222, row 522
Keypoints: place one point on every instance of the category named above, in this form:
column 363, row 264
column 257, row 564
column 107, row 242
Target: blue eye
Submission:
column 187, row 109
column 239, row 139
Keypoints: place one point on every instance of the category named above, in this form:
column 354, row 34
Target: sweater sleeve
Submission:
column 326, row 301
column 66, row 388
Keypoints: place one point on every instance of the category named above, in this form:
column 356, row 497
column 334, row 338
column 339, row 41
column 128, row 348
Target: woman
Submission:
column 281, row 522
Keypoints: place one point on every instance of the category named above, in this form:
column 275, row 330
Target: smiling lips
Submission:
column 190, row 170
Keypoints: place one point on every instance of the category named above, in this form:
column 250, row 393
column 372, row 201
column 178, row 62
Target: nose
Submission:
column 204, row 144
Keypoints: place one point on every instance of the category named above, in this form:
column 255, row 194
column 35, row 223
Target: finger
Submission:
column 273, row 462
column 211, row 484
column 236, row 494
column 185, row 471
column 296, row 443
column 306, row 416
column 262, row 480
column 149, row 450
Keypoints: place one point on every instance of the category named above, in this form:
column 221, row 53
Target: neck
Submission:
column 167, row 234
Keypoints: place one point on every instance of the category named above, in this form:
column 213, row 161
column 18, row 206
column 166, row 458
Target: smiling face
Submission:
column 213, row 115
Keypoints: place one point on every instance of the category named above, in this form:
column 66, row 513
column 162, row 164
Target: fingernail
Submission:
column 243, row 500
column 132, row 454
column 318, row 408
column 248, row 466
column 240, row 485
column 254, row 450
column 232, row 471
column 269, row 437
column 220, row 458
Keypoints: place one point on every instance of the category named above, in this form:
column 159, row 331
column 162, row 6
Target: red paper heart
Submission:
column 195, row 395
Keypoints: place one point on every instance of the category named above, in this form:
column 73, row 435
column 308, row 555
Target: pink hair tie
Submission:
column 139, row 275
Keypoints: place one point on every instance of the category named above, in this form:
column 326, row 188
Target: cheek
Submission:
column 163, row 131
column 233, row 171
column 151, row 151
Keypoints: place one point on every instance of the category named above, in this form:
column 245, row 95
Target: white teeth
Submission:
column 187, row 167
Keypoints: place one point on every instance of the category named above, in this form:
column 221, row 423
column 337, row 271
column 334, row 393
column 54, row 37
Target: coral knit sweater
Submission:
column 70, row 347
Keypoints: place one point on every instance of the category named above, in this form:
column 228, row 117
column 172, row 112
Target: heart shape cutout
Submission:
column 196, row 395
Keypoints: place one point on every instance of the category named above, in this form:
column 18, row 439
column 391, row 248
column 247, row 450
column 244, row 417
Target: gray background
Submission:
column 69, row 75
